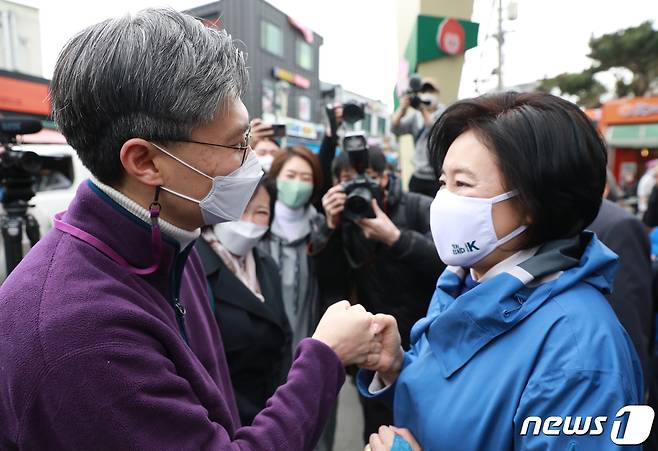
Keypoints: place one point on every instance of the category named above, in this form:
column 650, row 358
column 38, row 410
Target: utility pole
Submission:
column 500, row 38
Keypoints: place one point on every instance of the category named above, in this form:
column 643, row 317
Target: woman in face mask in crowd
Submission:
column 296, row 174
column 296, row 179
column 519, row 349
column 246, row 301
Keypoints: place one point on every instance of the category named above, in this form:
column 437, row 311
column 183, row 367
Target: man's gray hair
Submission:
column 156, row 75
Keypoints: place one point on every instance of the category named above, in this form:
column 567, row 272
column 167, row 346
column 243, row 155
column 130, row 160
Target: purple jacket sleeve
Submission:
column 124, row 396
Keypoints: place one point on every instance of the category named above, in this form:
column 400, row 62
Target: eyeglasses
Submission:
column 243, row 148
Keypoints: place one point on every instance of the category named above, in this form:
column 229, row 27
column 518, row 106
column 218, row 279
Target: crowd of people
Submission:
column 207, row 290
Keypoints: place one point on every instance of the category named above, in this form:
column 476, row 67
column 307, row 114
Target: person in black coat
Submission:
column 247, row 303
column 388, row 264
column 631, row 297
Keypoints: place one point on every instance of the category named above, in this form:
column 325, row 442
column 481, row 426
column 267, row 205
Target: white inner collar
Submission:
column 183, row 237
column 507, row 264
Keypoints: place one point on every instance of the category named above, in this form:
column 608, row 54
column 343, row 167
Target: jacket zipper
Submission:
column 179, row 308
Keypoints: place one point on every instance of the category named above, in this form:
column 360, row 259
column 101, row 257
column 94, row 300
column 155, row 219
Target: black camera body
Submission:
column 18, row 168
column 363, row 189
column 352, row 112
column 416, row 87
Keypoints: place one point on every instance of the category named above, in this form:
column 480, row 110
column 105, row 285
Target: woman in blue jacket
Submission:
column 519, row 348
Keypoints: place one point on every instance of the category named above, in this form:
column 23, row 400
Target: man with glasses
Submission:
column 107, row 337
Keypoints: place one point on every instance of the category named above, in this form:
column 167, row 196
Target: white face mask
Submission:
column 229, row 194
column 463, row 228
column 431, row 99
column 239, row 237
column 266, row 162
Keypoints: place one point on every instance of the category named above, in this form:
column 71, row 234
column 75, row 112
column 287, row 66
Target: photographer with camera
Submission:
column 379, row 248
column 423, row 98
column 265, row 141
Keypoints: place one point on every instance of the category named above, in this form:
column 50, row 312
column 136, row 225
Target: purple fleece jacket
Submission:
column 93, row 357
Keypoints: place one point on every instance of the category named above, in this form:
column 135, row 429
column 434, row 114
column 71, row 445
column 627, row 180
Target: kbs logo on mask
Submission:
column 631, row 426
column 469, row 246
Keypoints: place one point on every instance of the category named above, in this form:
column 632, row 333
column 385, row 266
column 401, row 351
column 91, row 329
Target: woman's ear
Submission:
column 138, row 158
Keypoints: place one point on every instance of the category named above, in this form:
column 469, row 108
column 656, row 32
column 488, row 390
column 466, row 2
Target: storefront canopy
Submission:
column 638, row 136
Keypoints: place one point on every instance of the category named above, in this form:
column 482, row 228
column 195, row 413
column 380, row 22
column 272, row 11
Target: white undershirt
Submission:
column 183, row 237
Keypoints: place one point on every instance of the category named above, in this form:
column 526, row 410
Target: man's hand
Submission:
column 389, row 360
column 380, row 228
column 383, row 440
column 405, row 103
column 338, row 113
column 260, row 130
column 334, row 203
column 351, row 333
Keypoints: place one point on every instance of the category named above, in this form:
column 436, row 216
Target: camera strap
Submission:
column 156, row 239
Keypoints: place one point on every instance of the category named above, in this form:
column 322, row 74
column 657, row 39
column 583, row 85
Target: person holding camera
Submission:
column 387, row 262
column 108, row 338
column 417, row 122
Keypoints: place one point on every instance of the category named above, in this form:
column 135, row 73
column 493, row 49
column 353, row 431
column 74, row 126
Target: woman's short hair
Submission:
column 305, row 154
column 545, row 147
column 157, row 75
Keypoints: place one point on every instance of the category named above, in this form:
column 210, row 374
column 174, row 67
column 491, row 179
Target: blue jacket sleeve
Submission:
column 364, row 379
column 553, row 406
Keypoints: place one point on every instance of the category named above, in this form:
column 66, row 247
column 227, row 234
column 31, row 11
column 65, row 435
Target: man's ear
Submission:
column 138, row 159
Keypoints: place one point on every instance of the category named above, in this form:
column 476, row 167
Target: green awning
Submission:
column 635, row 136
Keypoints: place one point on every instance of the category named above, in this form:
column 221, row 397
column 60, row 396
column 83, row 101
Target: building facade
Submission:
column 283, row 58
column 20, row 39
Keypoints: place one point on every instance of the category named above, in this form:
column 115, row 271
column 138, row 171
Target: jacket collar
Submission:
column 96, row 213
column 457, row 327
column 183, row 237
column 226, row 287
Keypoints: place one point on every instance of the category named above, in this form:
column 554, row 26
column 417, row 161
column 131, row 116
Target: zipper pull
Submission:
column 179, row 307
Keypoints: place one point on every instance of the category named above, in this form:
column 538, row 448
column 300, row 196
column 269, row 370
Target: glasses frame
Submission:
column 244, row 148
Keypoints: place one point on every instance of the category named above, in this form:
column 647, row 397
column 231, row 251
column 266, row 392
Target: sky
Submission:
column 360, row 36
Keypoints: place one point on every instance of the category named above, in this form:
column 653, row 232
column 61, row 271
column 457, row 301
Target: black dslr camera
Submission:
column 363, row 189
column 416, row 86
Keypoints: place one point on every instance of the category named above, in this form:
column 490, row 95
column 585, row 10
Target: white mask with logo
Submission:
column 239, row 237
column 463, row 228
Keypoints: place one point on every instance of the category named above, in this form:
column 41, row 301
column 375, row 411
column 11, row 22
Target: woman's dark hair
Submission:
column 306, row 155
column 546, row 148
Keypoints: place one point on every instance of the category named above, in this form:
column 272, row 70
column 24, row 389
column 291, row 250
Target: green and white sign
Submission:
column 433, row 38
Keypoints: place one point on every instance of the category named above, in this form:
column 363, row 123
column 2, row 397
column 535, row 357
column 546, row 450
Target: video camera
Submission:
column 18, row 172
column 363, row 189
column 353, row 112
column 18, row 168
column 416, row 88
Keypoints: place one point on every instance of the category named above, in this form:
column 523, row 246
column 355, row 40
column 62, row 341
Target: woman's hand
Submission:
column 389, row 361
column 384, row 439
